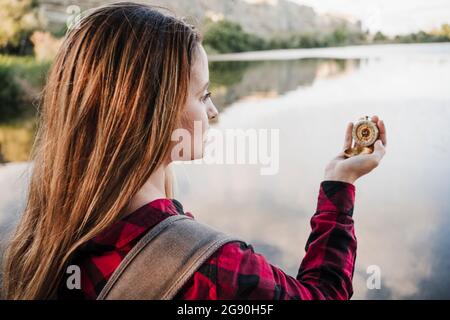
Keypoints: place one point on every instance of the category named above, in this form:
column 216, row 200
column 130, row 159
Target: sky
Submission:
column 389, row 16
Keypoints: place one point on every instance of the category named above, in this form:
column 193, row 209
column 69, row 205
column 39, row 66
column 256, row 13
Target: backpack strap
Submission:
column 164, row 260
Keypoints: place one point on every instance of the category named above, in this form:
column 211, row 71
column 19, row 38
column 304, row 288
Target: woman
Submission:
column 122, row 82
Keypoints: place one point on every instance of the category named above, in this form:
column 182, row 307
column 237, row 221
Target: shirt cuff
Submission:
column 336, row 196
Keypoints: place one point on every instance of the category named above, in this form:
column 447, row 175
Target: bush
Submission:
column 18, row 19
column 11, row 102
column 225, row 37
column 21, row 80
column 380, row 37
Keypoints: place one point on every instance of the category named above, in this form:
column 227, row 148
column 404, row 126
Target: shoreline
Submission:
column 344, row 52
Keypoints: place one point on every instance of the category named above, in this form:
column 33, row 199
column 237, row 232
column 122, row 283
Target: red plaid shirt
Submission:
column 236, row 271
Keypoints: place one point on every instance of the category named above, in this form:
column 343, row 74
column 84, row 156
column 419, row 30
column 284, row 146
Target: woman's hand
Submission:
column 350, row 169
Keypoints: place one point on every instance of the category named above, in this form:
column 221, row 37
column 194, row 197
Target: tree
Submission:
column 18, row 19
column 226, row 36
column 379, row 37
column 445, row 30
column 10, row 95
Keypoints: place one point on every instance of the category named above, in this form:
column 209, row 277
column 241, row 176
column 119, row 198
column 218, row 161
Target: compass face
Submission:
column 365, row 133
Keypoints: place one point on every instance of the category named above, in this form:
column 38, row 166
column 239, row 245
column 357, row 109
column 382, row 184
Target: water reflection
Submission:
column 237, row 80
column 401, row 210
column 16, row 140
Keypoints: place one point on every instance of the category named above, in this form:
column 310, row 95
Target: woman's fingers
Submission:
column 382, row 128
column 348, row 136
column 375, row 119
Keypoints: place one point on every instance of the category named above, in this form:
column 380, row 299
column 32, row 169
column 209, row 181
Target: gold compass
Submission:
column 365, row 133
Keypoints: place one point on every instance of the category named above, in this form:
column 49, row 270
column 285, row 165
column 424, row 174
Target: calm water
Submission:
column 402, row 208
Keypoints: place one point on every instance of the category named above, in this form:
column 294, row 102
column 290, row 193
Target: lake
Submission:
column 402, row 208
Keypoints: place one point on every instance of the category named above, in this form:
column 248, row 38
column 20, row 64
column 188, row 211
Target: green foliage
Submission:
column 306, row 40
column 440, row 35
column 379, row 37
column 26, row 68
column 227, row 73
column 420, row 36
column 21, row 78
column 445, row 30
column 225, row 36
column 11, row 103
column 18, row 19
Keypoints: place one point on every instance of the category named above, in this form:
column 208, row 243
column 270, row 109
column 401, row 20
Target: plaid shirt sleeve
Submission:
column 235, row 271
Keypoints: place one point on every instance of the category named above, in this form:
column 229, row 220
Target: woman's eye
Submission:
column 206, row 96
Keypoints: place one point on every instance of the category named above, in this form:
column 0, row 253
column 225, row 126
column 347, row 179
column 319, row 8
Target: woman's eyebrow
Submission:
column 204, row 87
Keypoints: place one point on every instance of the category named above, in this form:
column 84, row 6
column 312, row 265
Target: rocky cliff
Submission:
column 266, row 18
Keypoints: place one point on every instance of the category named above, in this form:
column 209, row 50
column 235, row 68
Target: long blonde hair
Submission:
column 113, row 97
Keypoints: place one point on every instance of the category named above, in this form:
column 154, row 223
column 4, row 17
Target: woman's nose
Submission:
column 212, row 112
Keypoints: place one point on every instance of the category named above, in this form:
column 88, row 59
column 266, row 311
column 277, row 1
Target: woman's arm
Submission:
column 331, row 247
column 326, row 271
column 235, row 271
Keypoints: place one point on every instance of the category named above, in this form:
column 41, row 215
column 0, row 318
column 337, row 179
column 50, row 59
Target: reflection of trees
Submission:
column 232, row 81
column 228, row 73
column 2, row 157
column 16, row 140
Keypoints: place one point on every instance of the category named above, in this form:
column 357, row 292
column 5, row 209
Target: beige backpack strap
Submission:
column 163, row 260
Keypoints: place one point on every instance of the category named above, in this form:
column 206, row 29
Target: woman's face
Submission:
column 199, row 109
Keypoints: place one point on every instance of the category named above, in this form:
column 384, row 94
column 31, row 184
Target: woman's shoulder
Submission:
column 215, row 276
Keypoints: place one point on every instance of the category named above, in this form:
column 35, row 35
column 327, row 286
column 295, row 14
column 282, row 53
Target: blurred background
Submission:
column 306, row 68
